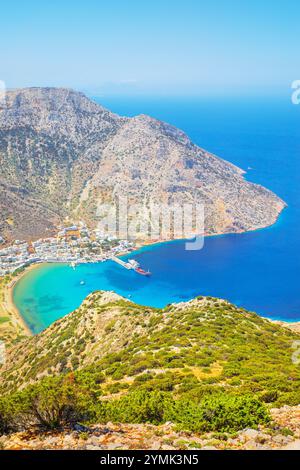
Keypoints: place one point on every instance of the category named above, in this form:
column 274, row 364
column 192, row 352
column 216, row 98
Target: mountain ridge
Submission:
column 135, row 339
column 62, row 154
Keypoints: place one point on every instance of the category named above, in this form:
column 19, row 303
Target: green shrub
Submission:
column 288, row 398
column 221, row 414
column 7, row 415
column 116, row 387
column 136, row 407
column 57, row 401
column 53, row 402
column 269, row 396
column 286, row 432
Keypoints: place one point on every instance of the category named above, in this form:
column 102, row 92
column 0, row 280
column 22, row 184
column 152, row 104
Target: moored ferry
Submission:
column 142, row 271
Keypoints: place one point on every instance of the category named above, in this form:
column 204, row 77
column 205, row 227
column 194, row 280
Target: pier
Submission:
column 131, row 264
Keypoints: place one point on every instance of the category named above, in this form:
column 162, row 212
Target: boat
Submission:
column 82, row 283
column 142, row 271
column 131, row 264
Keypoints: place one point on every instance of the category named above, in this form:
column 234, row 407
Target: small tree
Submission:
column 55, row 402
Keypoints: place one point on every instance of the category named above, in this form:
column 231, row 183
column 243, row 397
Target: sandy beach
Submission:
column 8, row 306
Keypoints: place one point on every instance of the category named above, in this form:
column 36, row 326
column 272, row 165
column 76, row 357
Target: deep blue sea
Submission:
column 259, row 270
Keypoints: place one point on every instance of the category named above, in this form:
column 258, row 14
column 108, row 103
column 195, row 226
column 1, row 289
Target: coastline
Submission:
column 17, row 318
column 10, row 307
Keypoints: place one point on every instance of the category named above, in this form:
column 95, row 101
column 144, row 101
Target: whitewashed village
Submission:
column 74, row 244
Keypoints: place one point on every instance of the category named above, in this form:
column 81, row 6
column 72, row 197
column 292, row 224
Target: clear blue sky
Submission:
column 151, row 46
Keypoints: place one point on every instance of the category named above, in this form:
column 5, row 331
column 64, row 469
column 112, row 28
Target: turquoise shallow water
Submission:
column 257, row 270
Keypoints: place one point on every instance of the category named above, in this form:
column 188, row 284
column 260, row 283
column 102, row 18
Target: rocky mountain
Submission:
column 61, row 154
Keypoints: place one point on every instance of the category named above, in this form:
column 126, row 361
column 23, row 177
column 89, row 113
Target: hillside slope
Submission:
column 61, row 154
column 184, row 347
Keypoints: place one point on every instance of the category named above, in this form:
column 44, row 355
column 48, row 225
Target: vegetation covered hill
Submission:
column 183, row 347
column 61, row 154
column 204, row 364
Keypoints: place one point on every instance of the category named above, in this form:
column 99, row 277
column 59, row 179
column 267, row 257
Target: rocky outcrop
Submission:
column 61, row 154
